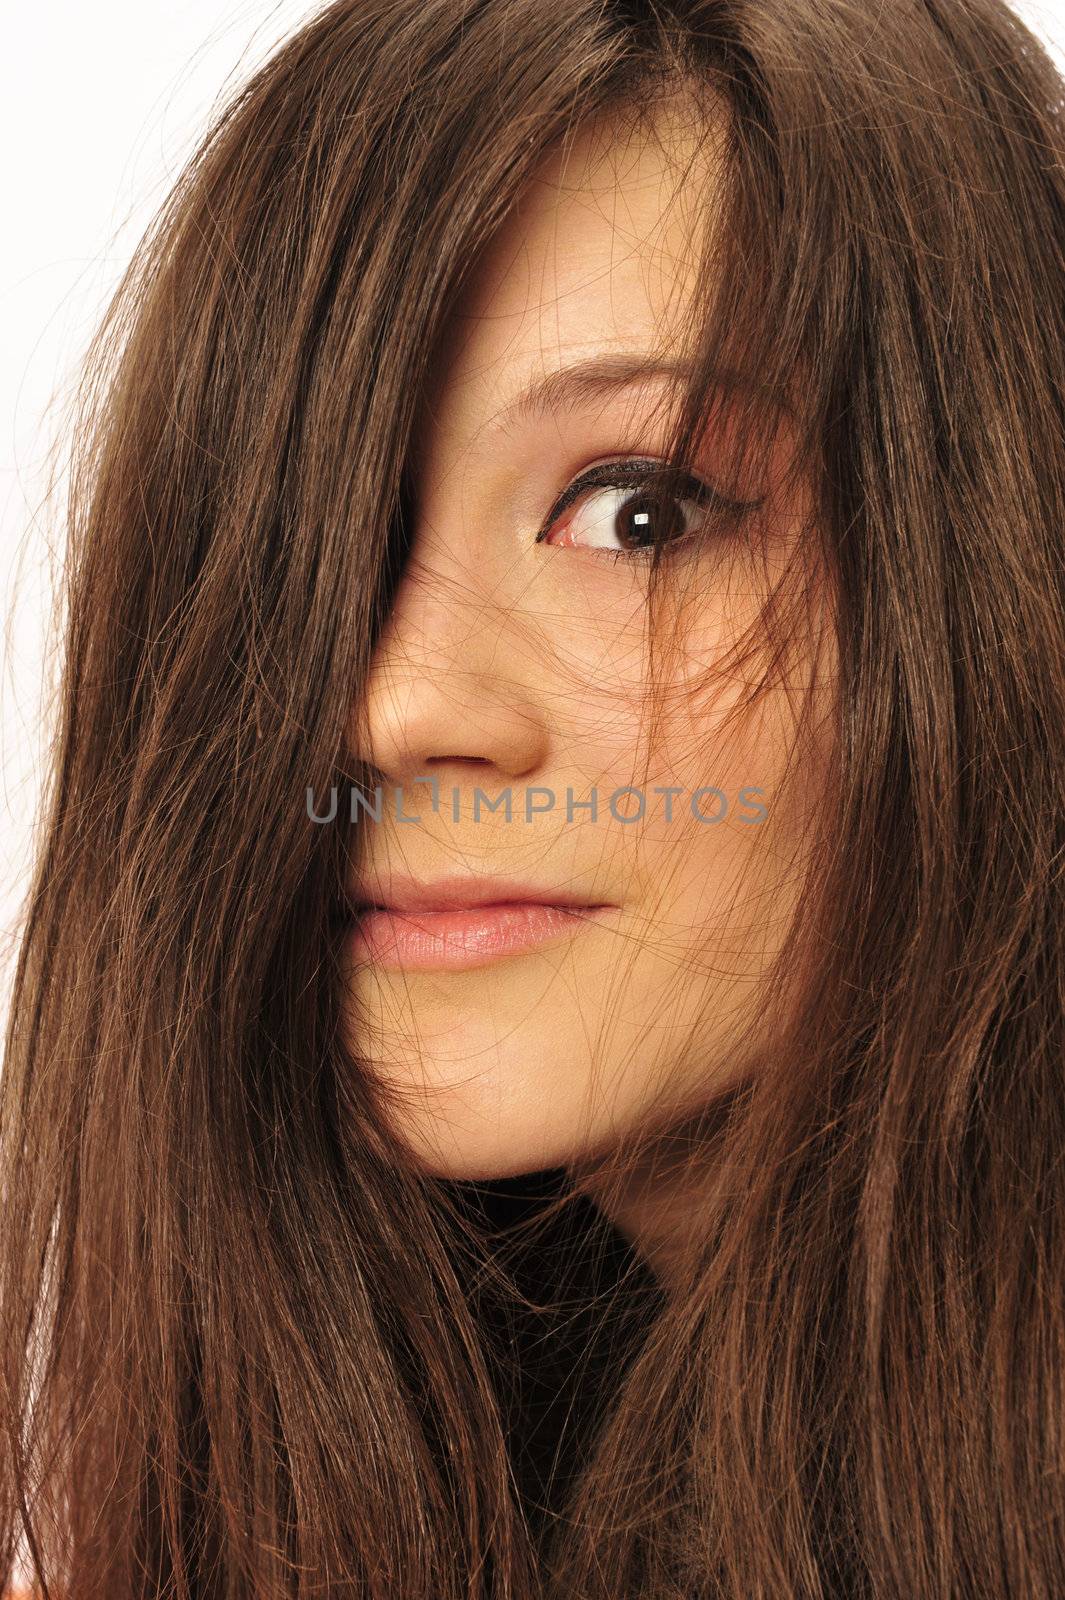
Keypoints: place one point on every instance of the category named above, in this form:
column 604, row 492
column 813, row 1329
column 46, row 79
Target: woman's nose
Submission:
column 452, row 682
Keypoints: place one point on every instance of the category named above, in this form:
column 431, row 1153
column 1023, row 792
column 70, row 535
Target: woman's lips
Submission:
column 463, row 936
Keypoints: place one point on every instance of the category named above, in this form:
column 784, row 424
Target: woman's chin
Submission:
column 497, row 1123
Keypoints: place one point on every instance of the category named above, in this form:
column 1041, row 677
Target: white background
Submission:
column 100, row 103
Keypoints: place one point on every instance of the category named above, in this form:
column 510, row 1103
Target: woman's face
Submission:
column 531, row 1033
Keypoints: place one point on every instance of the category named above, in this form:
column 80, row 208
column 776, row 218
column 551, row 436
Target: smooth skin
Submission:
column 513, row 661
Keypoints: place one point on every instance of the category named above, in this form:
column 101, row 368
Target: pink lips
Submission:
column 463, row 922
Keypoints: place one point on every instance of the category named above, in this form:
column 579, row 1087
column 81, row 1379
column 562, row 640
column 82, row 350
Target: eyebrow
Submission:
column 605, row 374
column 590, row 379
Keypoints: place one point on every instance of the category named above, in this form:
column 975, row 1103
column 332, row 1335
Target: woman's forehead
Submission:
column 601, row 255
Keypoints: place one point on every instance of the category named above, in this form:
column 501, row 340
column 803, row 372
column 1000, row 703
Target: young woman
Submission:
column 537, row 1057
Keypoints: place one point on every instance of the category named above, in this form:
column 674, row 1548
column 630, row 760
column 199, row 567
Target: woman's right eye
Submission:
column 628, row 507
column 623, row 519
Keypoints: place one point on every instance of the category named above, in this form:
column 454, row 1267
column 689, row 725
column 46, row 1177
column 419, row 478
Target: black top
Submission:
column 562, row 1355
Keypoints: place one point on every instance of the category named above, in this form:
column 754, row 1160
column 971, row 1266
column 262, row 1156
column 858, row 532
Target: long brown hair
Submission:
column 241, row 1355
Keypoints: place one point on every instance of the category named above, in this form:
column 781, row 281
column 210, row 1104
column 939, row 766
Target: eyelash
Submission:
column 641, row 473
